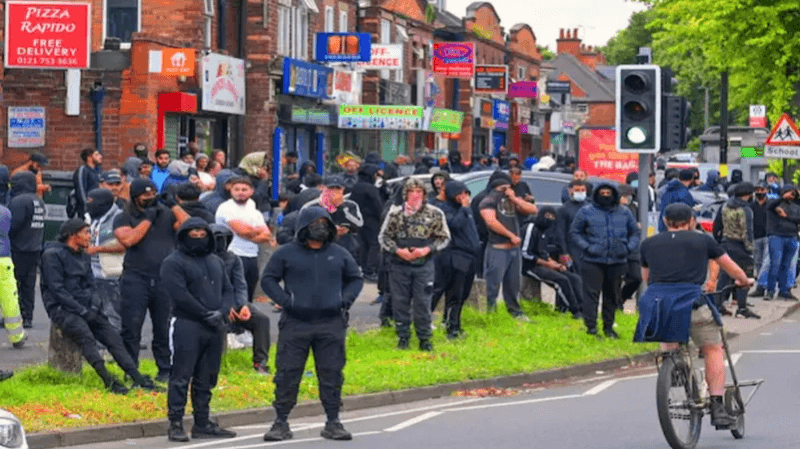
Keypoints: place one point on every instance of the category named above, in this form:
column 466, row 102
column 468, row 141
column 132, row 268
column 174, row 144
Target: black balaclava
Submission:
column 542, row 222
column 195, row 246
column 319, row 231
column 99, row 202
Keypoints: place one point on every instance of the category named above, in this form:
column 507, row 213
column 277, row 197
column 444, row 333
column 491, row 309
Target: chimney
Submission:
column 568, row 42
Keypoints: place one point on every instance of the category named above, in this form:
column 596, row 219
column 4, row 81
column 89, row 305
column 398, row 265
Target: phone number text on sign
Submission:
column 47, row 35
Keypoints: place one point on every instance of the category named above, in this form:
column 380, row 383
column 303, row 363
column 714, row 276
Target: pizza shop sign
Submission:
column 47, row 35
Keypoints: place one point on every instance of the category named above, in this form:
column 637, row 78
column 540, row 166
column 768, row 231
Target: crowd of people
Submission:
column 181, row 240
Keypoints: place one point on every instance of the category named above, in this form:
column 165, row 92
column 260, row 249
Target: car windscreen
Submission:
column 546, row 190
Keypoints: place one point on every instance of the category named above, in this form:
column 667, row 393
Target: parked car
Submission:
column 12, row 435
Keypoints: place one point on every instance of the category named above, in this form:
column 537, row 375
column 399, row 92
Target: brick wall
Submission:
column 601, row 114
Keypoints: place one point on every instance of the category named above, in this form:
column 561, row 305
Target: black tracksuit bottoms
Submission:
column 250, row 265
column 25, row 266
column 596, row 278
column 326, row 337
column 196, row 357
column 87, row 334
column 258, row 325
column 141, row 293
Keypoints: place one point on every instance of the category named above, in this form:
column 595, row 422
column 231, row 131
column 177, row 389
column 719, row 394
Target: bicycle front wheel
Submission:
column 677, row 396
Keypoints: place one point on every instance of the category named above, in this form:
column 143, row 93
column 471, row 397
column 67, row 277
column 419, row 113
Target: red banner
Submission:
column 599, row 156
column 454, row 59
column 47, row 35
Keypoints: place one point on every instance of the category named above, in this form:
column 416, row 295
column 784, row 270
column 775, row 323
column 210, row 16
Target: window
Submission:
column 329, row 19
column 123, row 18
column 520, row 73
column 398, row 76
column 343, row 21
column 582, row 108
column 386, row 38
column 300, row 44
column 284, row 30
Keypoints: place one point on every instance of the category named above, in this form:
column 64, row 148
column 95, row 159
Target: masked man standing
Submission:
column 321, row 280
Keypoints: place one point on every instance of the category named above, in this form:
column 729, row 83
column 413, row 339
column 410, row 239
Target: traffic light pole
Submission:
column 643, row 193
column 723, row 126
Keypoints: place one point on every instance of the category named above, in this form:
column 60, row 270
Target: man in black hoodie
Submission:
column 456, row 262
column 454, row 162
column 483, row 231
column 321, row 280
column 196, row 283
column 26, row 234
column 188, row 197
column 570, row 253
column 69, row 296
column 368, row 197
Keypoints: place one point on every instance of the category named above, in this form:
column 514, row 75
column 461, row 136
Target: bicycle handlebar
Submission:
column 724, row 290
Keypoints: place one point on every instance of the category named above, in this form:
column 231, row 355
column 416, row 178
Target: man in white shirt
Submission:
column 249, row 228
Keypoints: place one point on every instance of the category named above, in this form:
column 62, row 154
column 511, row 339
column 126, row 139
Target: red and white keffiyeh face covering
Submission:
column 327, row 202
column 414, row 201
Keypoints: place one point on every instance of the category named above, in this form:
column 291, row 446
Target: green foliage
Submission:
column 495, row 345
column 693, row 144
column 546, row 53
column 624, row 46
column 793, row 165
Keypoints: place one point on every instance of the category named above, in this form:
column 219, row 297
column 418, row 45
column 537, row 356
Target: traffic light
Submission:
column 638, row 108
column 674, row 122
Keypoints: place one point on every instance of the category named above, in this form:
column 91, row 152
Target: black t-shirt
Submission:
column 145, row 257
column 679, row 256
column 522, row 189
column 506, row 214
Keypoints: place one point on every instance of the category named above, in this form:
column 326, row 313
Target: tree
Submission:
column 624, row 46
column 546, row 53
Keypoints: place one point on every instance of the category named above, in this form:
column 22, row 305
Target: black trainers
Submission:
column 334, row 430
column 147, row 384
column 280, row 431
column 117, row 387
column 386, row 322
column 592, row 331
column 402, row 343
column 176, row 433
column 787, row 296
column 719, row 416
column 211, row 430
column 27, row 323
column 768, row 296
column 425, row 345
column 747, row 313
column 162, row 377
column 6, row 374
column 261, row 368
column 20, row 344
column 757, row 292
column 611, row 333
column 724, row 311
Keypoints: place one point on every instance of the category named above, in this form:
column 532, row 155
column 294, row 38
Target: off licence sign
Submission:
column 47, row 35
column 491, row 79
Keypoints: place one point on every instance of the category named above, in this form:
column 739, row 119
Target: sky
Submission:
column 597, row 20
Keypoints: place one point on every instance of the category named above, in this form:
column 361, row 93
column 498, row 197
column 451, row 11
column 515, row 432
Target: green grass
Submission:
column 495, row 345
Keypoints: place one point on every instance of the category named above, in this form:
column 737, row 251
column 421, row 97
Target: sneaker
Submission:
column 377, row 300
column 788, row 296
column 261, row 368
column 211, row 430
column 719, row 416
column 425, row 345
column 592, row 331
column 724, row 311
column 280, row 431
column 176, row 433
column 747, row 313
column 756, row 292
column 371, row 278
column 577, row 316
column 148, row 385
column 523, row 318
column 117, row 387
column 27, row 323
column 5, row 375
column 162, row 377
column 386, row 322
column 21, row 343
column 402, row 343
column 334, row 430
column 611, row 333
column 768, row 296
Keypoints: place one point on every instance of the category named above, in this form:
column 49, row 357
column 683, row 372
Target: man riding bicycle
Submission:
column 673, row 307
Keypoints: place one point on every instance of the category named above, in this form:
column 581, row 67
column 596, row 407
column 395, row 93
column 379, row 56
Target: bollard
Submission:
column 63, row 353
column 477, row 295
column 531, row 289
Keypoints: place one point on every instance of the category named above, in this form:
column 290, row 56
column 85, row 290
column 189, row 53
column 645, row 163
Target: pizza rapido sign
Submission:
column 47, row 35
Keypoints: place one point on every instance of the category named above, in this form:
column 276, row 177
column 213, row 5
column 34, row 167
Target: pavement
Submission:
column 602, row 409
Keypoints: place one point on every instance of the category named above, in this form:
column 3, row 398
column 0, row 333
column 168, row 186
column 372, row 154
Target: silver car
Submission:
column 12, row 435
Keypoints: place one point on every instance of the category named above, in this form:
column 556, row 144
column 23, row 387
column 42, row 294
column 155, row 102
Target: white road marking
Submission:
column 735, row 358
column 412, row 421
column 505, row 404
column 764, row 334
column 773, row 351
column 598, row 388
column 789, row 321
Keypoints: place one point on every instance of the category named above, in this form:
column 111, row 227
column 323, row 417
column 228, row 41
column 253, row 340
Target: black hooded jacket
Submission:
column 534, row 239
column 67, row 281
column 234, row 267
column 368, row 197
column 196, row 284
column 199, row 210
column 776, row 225
column 463, row 232
column 483, row 231
column 318, row 283
column 27, row 214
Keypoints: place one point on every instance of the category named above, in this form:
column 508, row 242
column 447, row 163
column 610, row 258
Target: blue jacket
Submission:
column 665, row 312
column 605, row 236
column 675, row 192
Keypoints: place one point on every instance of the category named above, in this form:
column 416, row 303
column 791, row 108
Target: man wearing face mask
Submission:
column 578, row 175
column 147, row 230
column 345, row 213
column 607, row 234
column 106, row 252
column 197, row 285
column 367, row 196
column 321, row 280
column 537, row 264
column 759, row 207
column 570, row 254
column 633, row 274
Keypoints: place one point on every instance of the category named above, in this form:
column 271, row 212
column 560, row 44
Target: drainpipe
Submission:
column 97, row 94
column 241, row 23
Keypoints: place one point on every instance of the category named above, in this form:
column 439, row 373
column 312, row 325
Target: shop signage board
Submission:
column 223, row 84
column 599, row 157
column 523, row 89
column 491, row 79
column 346, row 87
column 758, row 116
column 177, row 61
column 311, row 116
column 405, row 118
column 342, row 47
column 392, row 92
column 501, row 111
column 384, row 56
column 446, row 121
column 26, row 127
column 47, row 35
column 454, row 59
column 558, row 87
column 305, row 79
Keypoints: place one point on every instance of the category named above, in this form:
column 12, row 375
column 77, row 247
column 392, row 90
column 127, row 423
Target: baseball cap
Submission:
column 110, row 177
column 39, row 158
column 140, row 186
column 70, row 228
column 687, row 174
column 333, row 181
column 678, row 213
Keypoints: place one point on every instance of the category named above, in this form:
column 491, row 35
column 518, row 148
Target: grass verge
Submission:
column 495, row 345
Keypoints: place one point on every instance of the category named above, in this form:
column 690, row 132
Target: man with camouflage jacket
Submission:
column 737, row 240
column 412, row 232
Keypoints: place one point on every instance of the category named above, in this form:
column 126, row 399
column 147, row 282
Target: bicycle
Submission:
column 682, row 396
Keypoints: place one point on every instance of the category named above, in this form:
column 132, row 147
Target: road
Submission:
column 609, row 410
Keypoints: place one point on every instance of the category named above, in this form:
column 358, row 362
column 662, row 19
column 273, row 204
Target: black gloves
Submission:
column 215, row 320
column 151, row 213
column 168, row 199
column 89, row 316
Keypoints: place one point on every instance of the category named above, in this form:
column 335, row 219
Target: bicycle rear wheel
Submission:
column 734, row 407
column 676, row 397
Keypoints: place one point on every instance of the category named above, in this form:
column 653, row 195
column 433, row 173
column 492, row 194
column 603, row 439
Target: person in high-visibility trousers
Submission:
column 9, row 300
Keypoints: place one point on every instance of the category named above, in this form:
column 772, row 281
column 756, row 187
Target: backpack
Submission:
column 72, row 204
